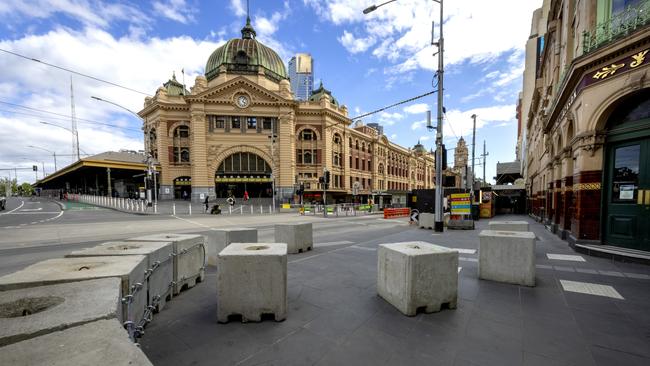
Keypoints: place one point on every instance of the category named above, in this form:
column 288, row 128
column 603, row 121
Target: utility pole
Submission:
column 484, row 162
column 471, row 187
column 439, row 224
column 75, row 132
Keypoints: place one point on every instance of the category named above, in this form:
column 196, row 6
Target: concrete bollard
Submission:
column 218, row 240
column 507, row 256
column 416, row 276
column 298, row 237
column 130, row 269
column 190, row 253
column 31, row 312
column 160, row 264
column 509, row 225
column 426, row 220
column 252, row 281
column 100, row 343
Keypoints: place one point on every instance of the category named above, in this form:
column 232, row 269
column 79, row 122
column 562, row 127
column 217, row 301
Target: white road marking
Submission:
column 362, row 248
column 332, row 243
column 466, row 259
column 31, row 209
column 611, row 273
column 33, row 213
column 591, row 289
column 22, row 203
column 194, row 222
column 566, row 257
column 640, row 276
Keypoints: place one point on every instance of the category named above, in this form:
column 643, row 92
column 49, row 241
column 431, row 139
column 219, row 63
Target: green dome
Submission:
column 246, row 56
column 419, row 148
column 316, row 94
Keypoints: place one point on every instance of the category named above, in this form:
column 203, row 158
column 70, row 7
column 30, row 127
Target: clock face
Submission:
column 242, row 101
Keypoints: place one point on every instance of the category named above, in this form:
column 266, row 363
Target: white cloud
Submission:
column 389, row 119
column 417, row 125
column 461, row 121
column 400, row 32
column 424, row 138
column 237, row 7
column 176, row 10
column 393, row 136
column 416, row 108
column 96, row 14
column 266, row 27
column 139, row 64
column 356, row 45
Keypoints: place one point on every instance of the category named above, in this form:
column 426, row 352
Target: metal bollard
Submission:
column 270, row 209
column 261, row 209
column 229, row 209
column 190, row 209
column 241, row 209
column 251, row 209
column 174, row 208
column 155, row 207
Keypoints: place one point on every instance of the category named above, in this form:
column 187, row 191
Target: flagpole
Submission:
column 183, row 71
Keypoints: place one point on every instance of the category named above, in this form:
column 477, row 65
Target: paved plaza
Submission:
column 584, row 310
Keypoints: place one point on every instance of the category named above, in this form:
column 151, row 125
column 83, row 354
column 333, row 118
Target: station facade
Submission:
column 586, row 115
column 240, row 129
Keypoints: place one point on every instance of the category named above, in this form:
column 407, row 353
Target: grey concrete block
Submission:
column 298, row 237
column 189, row 263
column 217, row 240
column 417, row 275
column 31, row 312
column 100, row 343
column 507, row 256
column 509, row 225
column 454, row 224
column 129, row 269
column 427, row 220
column 160, row 264
column 252, row 281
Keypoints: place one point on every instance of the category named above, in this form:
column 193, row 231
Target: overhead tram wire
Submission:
column 74, row 72
column 393, row 105
column 59, row 119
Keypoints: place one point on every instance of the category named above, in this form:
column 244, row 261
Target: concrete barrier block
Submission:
column 160, row 264
column 217, row 240
column 129, row 269
column 100, row 343
column 427, row 220
column 454, row 224
column 31, row 312
column 507, row 256
column 252, row 281
column 509, row 225
column 415, row 276
column 298, row 237
column 189, row 263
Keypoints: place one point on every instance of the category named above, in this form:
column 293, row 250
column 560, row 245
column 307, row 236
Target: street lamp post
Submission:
column 439, row 224
column 52, row 152
column 149, row 157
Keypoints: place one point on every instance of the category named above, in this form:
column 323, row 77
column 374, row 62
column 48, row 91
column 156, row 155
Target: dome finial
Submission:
column 248, row 32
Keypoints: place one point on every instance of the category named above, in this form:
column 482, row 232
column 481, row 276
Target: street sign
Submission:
column 460, row 204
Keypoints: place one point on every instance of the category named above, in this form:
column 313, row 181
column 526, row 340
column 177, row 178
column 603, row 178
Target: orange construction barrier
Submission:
column 390, row 213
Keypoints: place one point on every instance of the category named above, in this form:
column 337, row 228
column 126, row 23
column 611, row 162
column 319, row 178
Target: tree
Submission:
column 26, row 189
column 7, row 186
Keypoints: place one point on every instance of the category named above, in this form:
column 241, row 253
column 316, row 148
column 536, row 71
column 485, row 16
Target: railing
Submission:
column 617, row 26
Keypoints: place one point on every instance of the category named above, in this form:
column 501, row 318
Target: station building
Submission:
column 241, row 129
column 586, row 115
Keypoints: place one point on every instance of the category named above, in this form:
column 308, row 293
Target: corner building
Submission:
column 240, row 129
column 586, row 109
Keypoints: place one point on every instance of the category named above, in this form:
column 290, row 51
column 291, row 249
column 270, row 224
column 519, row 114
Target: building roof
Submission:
column 130, row 160
column 513, row 167
column 174, row 88
column 245, row 55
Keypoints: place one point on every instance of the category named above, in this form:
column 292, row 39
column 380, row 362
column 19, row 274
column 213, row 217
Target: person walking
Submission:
column 206, row 202
column 231, row 200
column 246, row 196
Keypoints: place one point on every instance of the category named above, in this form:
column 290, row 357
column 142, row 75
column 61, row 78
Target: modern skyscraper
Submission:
column 301, row 75
column 376, row 126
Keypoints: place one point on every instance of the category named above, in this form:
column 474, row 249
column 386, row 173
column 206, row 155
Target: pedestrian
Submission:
column 207, row 197
column 231, row 201
column 245, row 196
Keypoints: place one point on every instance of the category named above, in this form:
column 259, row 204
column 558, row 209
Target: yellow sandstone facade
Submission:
column 239, row 129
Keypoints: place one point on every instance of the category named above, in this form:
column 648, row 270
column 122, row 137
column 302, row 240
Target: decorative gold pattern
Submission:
column 607, row 71
column 638, row 58
column 586, row 187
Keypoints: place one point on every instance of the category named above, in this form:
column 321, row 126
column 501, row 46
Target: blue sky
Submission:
column 366, row 61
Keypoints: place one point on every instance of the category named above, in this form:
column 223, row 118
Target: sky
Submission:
column 367, row 61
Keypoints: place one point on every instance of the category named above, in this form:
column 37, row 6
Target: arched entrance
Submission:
column 626, row 202
column 183, row 188
column 243, row 172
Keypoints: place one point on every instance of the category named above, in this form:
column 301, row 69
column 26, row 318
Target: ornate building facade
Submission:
column 586, row 116
column 239, row 129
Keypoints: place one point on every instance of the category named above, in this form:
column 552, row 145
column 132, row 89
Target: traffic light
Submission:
column 35, row 168
column 327, row 177
column 444, row 157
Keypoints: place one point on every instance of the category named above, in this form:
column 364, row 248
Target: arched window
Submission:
column 363, row 146
column 307, row 135
column 356, row 144
column 181, row 145
column 350, row 143
column 307, row 158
